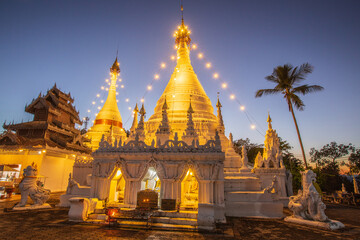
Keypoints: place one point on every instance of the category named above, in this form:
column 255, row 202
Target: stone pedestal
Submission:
column 79, row 208
column 330, row 224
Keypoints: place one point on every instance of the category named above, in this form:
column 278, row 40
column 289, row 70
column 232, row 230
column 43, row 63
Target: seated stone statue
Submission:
column 307, row 203
column 191, row 195
column 29, row 187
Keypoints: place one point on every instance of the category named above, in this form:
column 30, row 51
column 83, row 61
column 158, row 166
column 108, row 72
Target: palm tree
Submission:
column 287, row 80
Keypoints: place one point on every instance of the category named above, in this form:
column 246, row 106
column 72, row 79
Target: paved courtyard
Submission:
column 53, row 224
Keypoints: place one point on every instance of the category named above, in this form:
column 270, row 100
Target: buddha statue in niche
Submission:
column 191, row 188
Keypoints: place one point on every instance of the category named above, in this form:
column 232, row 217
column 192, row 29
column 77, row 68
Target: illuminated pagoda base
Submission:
column 182, row 156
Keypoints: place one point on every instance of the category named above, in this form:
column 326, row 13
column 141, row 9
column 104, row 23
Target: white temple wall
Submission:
column 56, row 170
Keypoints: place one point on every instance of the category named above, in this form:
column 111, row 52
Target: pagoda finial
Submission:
column 269, row 121
column 115, row 68
column 182, row 35
column 190, row 109
column 165, row 106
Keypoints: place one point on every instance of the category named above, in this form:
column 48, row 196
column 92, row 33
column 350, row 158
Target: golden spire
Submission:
column 108, row 121
column 135, row 121
column 182, row 84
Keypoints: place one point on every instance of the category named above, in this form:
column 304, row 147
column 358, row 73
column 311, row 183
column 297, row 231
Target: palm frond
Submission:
column 301, row 72
column 298, row 103
column 261, row 92
column 305, row 89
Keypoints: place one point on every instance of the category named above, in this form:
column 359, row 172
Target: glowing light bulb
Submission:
column 120, row 80
column 102, row 101
column 99, row 107
column 129, row 108
column 117, row 100
column 117, row 93
column 116, row 85
column 242, row 108
column 175, row 46
column 142, row 100
column 127, row 100
column 122, row 86
column 97, row 95
column 208, row 65
column 232, row 96
column 93, row 103
column 200, row 55
column 224, row 85
column 106, row 89
column 106, row 80
column 88, row 110
column 95, row 114
column 216, row 75
column 174, row 96
column 172, row 57
column 149, row 87
column 156, row 76
column 252, row 126
column 163, row 65
column 194, row 46
column 102, row 87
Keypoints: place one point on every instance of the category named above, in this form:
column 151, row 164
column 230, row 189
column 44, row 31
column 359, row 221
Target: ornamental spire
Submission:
column 142, row 117
column 269, row 121
column 164, row 125
column 190, row 130
column 219, row 115
column 182, row 35
column 135, row 121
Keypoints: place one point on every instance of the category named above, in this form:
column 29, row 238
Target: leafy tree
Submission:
column 354, row 161
column 292, row 164
column 287, row 79
column 330, row 153
column 252, row 149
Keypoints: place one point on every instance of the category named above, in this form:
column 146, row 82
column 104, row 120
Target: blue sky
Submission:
column 74, row 43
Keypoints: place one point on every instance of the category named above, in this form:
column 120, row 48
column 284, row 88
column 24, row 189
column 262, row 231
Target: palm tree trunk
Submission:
column 298, row 133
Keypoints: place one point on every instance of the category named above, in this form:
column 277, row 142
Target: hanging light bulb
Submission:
column 194, row 46
column 102, row 101
column 97, row 95
column 163, row 65
column 232, row 96
column 242, row 107
column 216, row 75
column 93, row 103
column 102, row 87
column 106, row 80
column 122, row 86
column 200, row 55
column 253, row 126
column 129, row 108
column 208, row 65
column 156, row 76
column 88, row 110
column 142, row 100
column 224, row 85
column 172, row 57
column 127, row 100
column 149, row 87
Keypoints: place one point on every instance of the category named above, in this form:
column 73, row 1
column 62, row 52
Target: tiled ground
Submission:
column 53, row 224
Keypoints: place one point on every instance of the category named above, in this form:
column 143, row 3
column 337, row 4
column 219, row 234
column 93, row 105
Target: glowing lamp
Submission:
column 102, row 87
column 232, row 96
column 208, row 65
column 88, row 110
column 122, row 86
column 194, row 46
column 149, row 87
column 93, row 103
column 242, row 108
column 200, row 55
column 252, row 126
column 163, row 65
column 156, row 76
column 172, row 57
column 142, row 100
column 102, row 101
column 127, row 100
column 224, row 85
column 216, row 75
column 97, row 95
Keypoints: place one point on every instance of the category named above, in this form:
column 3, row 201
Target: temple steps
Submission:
column 254, row 209
column 242, row 183
column 247, row 196
column 177, row 221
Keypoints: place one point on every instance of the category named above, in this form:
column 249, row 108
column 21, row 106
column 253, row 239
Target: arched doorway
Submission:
column 189, row 191
column 151, row 181
column 117, row 187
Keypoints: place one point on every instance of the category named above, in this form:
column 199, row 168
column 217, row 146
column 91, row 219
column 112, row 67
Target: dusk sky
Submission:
column 74, row 43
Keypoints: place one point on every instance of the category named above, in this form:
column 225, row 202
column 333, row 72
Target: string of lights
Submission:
column 163, row 65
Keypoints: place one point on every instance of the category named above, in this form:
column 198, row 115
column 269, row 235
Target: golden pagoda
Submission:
column 183, row 86
column 108, row 121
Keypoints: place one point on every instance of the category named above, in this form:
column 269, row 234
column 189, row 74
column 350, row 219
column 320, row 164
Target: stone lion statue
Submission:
column 29, row 186
column 307, row 203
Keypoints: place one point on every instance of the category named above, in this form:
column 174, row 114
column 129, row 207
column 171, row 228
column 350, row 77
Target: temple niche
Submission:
column 189, row 191
column 117, row 188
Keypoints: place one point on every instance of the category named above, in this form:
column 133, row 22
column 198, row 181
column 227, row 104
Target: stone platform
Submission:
column 31, row 207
